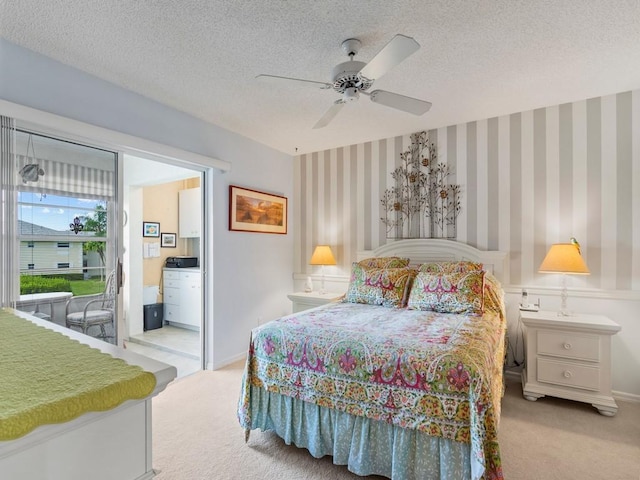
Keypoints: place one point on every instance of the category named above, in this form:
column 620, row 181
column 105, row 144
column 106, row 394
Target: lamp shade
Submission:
column 563, row 258
column 322, row 255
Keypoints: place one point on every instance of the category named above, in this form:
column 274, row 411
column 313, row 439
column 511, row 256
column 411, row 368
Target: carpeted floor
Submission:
column 196, row 436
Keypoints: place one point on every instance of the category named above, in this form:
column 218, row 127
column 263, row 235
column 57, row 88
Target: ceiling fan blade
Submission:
column 297, row 81
column 400, row 102
column 329, row 114
column 394, row 52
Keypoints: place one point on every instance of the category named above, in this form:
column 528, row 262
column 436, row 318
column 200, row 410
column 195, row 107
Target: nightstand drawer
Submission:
column 568, row 374
column 569, row 345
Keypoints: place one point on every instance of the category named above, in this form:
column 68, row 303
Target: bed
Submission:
column 99, row 429
column 403, row 378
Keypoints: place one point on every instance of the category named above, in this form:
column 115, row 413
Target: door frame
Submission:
column 120, row 142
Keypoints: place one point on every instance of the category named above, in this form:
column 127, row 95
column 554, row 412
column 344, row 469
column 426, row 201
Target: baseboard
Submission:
column 226, row 361
column 148, row 475
column 622, row 396
column 514, row 374
column 626, row 397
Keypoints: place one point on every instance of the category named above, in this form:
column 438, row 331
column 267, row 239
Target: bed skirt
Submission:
column 365, row 446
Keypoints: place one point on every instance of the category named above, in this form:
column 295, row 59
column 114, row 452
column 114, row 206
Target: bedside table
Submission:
column 569, row 357
column 304, row 301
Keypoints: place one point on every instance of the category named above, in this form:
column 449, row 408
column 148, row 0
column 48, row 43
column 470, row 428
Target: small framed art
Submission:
column 150, row 229
column 254, row 211
column 168, row 240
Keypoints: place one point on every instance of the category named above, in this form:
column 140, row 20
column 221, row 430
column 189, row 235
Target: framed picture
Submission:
column 150, row 229
column 253, row 211
column 168, row 240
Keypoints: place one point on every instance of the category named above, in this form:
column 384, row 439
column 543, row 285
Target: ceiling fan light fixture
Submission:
column 345, row 75
column 350, row 94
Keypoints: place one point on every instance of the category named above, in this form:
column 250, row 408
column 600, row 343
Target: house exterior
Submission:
column 44, row 251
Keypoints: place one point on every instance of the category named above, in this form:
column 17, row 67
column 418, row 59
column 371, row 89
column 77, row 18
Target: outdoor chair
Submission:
column 86, row 311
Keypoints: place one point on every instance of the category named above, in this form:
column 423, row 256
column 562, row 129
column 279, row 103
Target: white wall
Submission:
column 252, row 271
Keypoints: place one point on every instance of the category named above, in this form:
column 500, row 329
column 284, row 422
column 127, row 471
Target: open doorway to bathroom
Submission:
column 163, row 295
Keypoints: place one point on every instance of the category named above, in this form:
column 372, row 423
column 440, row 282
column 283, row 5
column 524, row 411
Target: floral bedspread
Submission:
column 437, row 373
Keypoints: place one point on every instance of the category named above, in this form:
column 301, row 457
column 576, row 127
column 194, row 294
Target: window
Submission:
column 64, row 205
column 45, row 221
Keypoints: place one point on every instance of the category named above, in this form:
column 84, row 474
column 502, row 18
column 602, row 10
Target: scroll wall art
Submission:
column 421, row 203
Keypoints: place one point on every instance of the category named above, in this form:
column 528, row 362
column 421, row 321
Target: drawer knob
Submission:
column 566, row 345
column 567, row 374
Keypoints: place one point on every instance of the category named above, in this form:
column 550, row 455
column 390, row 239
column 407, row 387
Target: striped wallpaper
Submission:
column 528, row 180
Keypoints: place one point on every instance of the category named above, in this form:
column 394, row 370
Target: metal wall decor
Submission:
column 421, row 203
column 76, row 226
column 31, row 172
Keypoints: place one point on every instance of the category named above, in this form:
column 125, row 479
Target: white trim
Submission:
column 148, row 475
column 511, row 289
column 578, row 292
column 625, row 397
column 99, row 136
column 226, row 361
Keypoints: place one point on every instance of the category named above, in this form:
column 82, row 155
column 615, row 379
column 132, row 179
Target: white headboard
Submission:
column 426, row 250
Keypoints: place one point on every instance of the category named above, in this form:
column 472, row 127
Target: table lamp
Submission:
column 564, row 258
column 322, row 256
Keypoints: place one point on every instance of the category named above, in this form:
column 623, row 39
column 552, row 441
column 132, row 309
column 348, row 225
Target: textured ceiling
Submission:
column 478, row 59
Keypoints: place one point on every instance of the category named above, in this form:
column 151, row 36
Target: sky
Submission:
column 53, row 211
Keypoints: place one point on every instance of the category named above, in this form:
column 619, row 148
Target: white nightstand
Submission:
column 304, row 301
column 569, row 357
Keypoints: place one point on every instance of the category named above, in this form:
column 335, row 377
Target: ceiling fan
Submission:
column 353, row 78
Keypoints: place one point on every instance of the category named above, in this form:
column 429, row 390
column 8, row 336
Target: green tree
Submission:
column 96, row 222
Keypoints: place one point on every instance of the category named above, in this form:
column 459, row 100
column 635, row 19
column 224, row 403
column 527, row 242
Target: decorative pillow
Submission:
column 451, row 267
column 448, row 292
column 384, row 262
column 388, row 287
column 493, row 294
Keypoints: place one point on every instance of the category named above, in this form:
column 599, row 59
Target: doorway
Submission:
column 162, row 296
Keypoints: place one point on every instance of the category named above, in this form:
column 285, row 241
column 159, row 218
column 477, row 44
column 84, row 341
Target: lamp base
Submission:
column 322, row 290
column 564, row 311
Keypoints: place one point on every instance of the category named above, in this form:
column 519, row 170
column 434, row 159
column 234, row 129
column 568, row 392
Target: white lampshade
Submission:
column 563, row 258
column 322, row 255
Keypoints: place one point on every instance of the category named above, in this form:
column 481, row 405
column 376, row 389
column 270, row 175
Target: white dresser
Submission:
column 182, row 297
column 569, row 357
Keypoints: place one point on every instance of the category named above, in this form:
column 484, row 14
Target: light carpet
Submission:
column 196, row 436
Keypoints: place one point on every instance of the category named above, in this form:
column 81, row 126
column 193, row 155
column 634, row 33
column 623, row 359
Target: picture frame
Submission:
column 151, row 229
column 168, row 240
column 255, row 211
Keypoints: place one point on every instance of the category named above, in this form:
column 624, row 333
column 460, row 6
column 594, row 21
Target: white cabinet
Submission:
column 182, row 297
column 569, row 357
column 190, row 212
